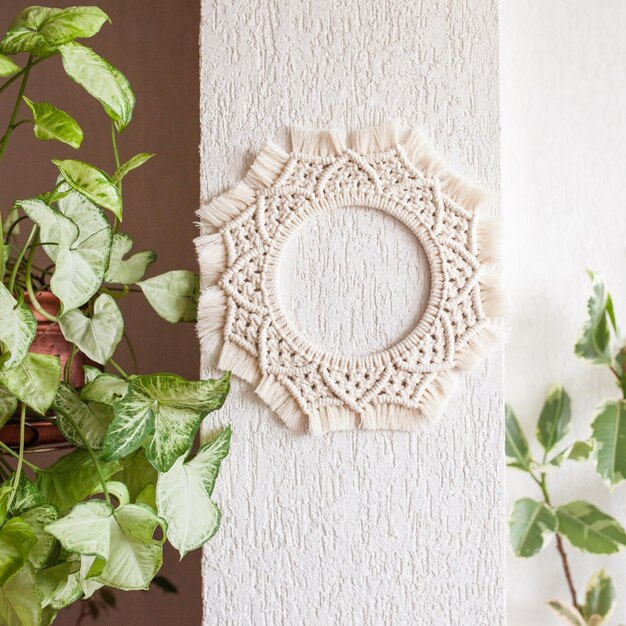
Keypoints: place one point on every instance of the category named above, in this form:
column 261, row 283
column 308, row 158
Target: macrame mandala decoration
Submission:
column 240, row 321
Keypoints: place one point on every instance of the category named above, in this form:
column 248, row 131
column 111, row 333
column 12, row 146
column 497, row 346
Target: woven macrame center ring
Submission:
column 242, row 325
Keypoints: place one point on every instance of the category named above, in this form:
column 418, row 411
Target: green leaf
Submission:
column 52, row 123
column 16, row 542
column 609, row 434
column 91, row 373
column 127, row 271
column 73, row 478
column 53, row 580
column 184, row 495
column 100, row 79
column 516, row 446
column 34, row 381
column 589, row 529
column 162, row 412
column 531, row 526
column 92, row 183
column 137, row 474
column 37, row 518
column 555, row 416
column 173, row 295
column 569, row 613
column 580, row 451
column 41, row 29
column 18, row 327
column 593, row 343
column 122, row 539
column 68, row 594
column 105, row 389
column 7, row 66
column 91, row 418
column 26, row 495
column 599, row 597
column 8, row 406
column 19, row 600
column 132, row 164
column 96, row 336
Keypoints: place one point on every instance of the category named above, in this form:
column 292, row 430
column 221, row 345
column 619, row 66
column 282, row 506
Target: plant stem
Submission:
column 14, row 454
column 20, row 256
column 20, row 458
column 116, row 156
column 133, row 355
column 13, row 78
column 115, row 293
column 67, row 372
column 118, row 368
column 29, row 285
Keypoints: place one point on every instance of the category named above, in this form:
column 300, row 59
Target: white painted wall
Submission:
column 358, row 528
column 563, row 75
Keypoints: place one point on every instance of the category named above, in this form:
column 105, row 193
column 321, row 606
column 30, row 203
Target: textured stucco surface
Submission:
column 367, row 527
column 563, row 163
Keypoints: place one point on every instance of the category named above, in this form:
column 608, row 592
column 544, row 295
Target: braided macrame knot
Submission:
column 242, row 326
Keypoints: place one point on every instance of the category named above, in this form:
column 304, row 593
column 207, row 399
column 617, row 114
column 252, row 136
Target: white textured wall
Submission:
column 368, row 528
column 563, row 166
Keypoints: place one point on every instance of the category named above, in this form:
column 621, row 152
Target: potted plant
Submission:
column 99, row 515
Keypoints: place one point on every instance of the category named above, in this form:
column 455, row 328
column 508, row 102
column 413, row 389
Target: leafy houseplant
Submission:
column 534, row 523
column 99, row 515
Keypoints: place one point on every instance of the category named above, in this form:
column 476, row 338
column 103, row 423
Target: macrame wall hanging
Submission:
column 243, row 328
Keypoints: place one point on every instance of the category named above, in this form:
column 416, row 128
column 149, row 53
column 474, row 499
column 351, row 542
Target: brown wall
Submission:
column 155, row 43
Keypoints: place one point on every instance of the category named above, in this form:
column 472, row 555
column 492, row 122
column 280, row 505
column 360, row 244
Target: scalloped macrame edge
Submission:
column 263, row 173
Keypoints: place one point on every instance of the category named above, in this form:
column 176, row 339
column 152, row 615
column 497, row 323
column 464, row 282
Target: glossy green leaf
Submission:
column 184, row 495
column 173, row 295
column 8, row 406
column 609, row 435
column 34, row 381
column 593, row 343
column 588, row 528
column 52, row 123
column 19, row 600
column 16, row 541
column 100, row 79
column 555, row 417
column 105, row 389
column 73, row 478
column 17, row 329
column 569, row 613
column 91, row 418
column 599, row 597
column 127, row 271
column 96, row 336
column 162, row 412
column 516, row 445
column 41, row 30
column 37, row 518
column 92, row 183
column 136, row 474
column 8, row 67
column 531, row 526
column 132, row 164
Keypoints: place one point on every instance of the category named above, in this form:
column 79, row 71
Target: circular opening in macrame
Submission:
column 242, row 324
column 343, row 292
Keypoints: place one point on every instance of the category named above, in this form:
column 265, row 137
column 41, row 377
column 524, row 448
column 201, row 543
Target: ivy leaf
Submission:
column 569, row 613
column 8, row 406
column 19, row 600
column 73, row 478
column 37, row 518
column 173, row 295
column 127, row 271
column 18, row 327
column 16, row 541
column 599, row 597
column 531, row 526
column 162, row 412
column 101, row 80
column 516, row 446
column 34, row 381
column 589, row 529
column 132, row 164
column 96, row 336
column 593, row 343
column 8, row 67
column 93, row 419
column 105, row 389
column 609, row 434
column 92, row 183
column 555, row 417
column 52, row 123
column 184, row 495
column 137, row 474
column 122, row 539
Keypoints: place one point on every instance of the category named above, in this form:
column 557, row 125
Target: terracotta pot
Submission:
column 41, row 434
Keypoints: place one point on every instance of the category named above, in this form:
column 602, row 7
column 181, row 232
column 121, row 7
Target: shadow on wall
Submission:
column 156, row 45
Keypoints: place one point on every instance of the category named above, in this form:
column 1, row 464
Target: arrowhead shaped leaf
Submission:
column 34, row 381
column 8, row 406
column 173, row 295
column 609, row 435
column 589, row 529
column 105, row 389
column 37, row 518
column 16, row 542
column 19, row 600
column 184, row 495
column 96, row 336
column 127, row 271
column 516, row 446
column 531, row 526
column 52, row 123
column 18, row 327
column 132, row 164
column 599, row 596
column 555, row 416
column 7, row 66
column 162, row 412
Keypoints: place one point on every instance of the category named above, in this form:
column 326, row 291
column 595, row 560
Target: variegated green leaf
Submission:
column 131, row 270
column 7, row 66
column 105, row 389
column 16, row 541
column 17, row 329
column 569, row 613
column 531, row 526
column 26, row 495
column 555, row 416
column 599, row 598
column 37, row 518
column 137, row 474
column 8, row 406
column 173, row 295
column 516, row 445
column 132, row 164
column 52, row 123
column 609, row 434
